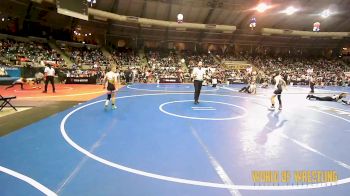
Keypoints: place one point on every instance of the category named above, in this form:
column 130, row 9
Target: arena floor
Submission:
column 157, row 142
column 33, row 105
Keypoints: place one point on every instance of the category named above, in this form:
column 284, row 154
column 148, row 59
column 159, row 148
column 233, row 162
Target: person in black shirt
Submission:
column 127, row 75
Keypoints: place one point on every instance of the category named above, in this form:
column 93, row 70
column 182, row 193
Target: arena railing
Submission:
column 150, row 22
column 223, row 28
column 305, row 34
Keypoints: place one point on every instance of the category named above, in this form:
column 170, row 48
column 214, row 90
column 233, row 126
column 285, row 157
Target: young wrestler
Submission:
column 251, row 89
column 280, row 84
column 327, row 98
column 346, row 102
column 20, row 81
column 110, row 83
column 28, row 82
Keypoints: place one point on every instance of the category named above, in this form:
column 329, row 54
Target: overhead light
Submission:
column 180, row 18
column 290, row 10
column 344, row 48
column 3, row 19
column 326, row 13
column 89, row 33
column 91, row 2
column 316, row 27
column 262, row 7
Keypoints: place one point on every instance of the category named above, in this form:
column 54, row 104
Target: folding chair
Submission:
column 6, row 101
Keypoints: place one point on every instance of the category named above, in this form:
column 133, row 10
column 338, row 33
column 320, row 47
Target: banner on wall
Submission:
column 240, row 66
column 9, row 74
column 237, row 65
column 6, row 71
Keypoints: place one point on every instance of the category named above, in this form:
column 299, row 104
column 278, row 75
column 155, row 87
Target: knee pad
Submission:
column 109, row 96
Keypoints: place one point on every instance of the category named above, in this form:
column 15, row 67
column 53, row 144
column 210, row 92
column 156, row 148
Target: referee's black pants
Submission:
column 312, row 87
column 197, row 89
column 51, row 80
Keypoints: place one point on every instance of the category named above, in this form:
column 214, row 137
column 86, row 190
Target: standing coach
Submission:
column 49, row 77
column 198, row 75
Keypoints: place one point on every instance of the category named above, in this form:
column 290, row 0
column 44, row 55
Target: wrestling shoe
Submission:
column 114, row 107
column 280, row 108
column 106, row 107
column 272, row 108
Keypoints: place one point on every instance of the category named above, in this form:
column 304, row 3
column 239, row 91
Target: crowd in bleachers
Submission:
column 126, row 58
column 173, row 64
column 193, row 59
column 165, row 64
column 301, row 70
column 229, row 57
column 296, row 70
column 92, row 57
column 34, row 53
column 157, row 60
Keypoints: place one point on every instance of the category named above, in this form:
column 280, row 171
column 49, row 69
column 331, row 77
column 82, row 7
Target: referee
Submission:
column 198, row 75
column 49, row 76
